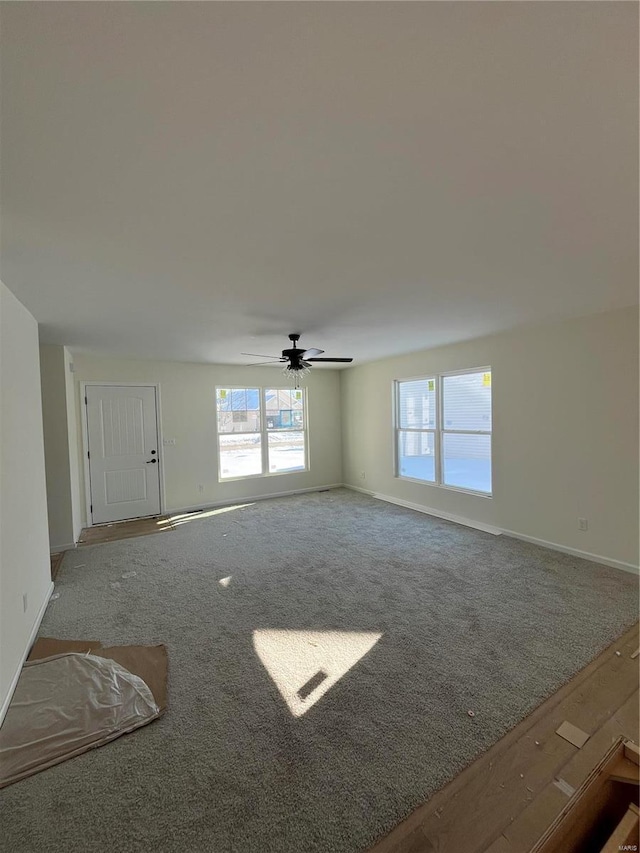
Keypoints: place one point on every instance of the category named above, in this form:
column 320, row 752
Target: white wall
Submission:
column 188, row 414
column 59, row 413
column 56, row 447
column 24, row 542
column 565, row 439
column 75, row 475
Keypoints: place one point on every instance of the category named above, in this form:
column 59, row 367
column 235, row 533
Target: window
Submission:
column 239, row 433
column 260, row 431
column 466, row 431
column 443, row 430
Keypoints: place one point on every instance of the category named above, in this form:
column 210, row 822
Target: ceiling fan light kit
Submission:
column 297, row 362
column 295, row 373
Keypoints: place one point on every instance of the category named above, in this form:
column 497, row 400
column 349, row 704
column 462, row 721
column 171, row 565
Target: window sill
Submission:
column 262, row 476
column 458, row 489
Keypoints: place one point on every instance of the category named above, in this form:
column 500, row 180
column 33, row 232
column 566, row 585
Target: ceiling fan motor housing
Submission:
column 292, row 353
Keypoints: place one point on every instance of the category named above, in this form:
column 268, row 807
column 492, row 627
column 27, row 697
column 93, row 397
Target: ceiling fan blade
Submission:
column 273, row 361
column 259, row 355
column 346, row 360
column 308, row 353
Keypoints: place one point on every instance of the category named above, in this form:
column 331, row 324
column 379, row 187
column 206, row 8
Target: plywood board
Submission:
column 150, row 663
column 625, row 771
column 624, row 722
column 125, row 530
column 46, row 647
column 573, row 734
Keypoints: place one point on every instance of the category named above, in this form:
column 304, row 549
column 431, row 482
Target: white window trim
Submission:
column 263, row 432
column 439, row 430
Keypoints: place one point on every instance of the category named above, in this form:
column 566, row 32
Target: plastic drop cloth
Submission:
column 65, row 705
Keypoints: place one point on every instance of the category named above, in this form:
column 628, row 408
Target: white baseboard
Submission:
column 575, row 552
column 32, row 638
column 447, row 516
column 251, row 499
column 496, row 531
column 358, row 489
column 58, row 549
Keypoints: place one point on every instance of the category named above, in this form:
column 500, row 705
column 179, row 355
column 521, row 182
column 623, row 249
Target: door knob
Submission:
column 151, row 461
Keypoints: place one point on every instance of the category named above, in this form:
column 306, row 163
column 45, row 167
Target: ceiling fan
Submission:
column 297, row 361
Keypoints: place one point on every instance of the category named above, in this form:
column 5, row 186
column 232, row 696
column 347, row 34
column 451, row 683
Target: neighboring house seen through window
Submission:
column 443, row 430
column 260, row 431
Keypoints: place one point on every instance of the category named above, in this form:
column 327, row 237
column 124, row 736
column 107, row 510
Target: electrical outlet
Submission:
column 25, row 602
column 200, row 488
column 363, row 475
column 583, row 524
column 169, row 442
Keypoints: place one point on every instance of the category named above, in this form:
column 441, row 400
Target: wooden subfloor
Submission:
column 504, row 801
column 143, row 526
column 125, row 530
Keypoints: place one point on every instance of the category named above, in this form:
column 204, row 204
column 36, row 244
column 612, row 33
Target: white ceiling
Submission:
column 190, row 180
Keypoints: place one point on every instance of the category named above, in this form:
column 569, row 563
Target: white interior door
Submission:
column 124, row 469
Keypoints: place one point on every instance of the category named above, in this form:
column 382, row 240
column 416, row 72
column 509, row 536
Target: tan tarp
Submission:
column 46, row 647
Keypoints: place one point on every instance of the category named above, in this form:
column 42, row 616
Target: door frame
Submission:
column 85, row 442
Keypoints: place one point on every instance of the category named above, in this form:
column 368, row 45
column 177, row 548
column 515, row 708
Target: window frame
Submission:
column 264, row 432
column 439, row 431
column 428, row 430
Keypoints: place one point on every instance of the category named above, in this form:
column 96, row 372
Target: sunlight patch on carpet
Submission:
column 304, row 665
column 186, row 517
